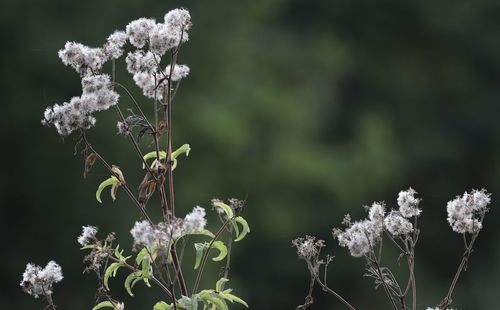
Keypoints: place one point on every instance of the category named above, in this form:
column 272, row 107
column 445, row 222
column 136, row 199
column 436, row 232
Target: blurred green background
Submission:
column 309, row 109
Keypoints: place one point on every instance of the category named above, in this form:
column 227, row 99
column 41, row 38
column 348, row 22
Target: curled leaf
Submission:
column 244, row 231
column 104, row 304
column 112, row 181
column 219, row 245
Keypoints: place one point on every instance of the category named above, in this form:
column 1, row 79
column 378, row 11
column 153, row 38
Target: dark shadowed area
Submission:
column 306, row 109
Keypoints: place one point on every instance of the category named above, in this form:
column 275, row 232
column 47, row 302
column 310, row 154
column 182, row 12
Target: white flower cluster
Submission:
column 37, row 281
column 162, row 37
column 88, row 234
column 148, row 235
column 464, row 212
column 306, row 247
column 98, row 93
column 361, row 236
column 397, row 222
column 408, row 204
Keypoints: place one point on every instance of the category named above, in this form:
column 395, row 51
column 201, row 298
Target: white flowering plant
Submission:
column 365, row 239
column 156, row 261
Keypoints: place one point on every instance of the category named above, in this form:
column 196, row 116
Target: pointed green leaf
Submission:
column 233, row 298
column 110, row 271
column 204, row 232
column 104, row 304
column 129, row 280
column 152, row 154
column 108, row 182
column 199, row 247
column 218, row 302
column 245, row 230
column 218, row 285
column 219, row 245
column 140, row 256
column 185, row 148
column 162, row 306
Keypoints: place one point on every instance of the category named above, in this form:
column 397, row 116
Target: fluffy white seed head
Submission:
column 141, row 61
column 179, row 72
column 82, row 58
column 195, row 220
column 114, row 44
column 397, row 224
column 408, row 204
column 149, row 83
column 138, row 31
column 178, row 18
column 464, row 212
column 163, row 38
column 306, row 247
column 361, row 236
column 376, row 211
column 88, row 235
column 98, row 95
column 37, row 281
column 69, row 116
column 144, row 234
column 98, row 92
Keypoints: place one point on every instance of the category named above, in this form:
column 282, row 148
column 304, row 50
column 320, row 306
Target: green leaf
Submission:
column 204, row 232
column 104, row 304
column 217, row 301
column 218, row 285
column 128, row 281
column 219, row 245
column 199, row 247
column 233, row 298
column 110, row 272
column 162, row 306
column 140, row 256
column 163, row 155
column 227, row 209
column 187, row 303
column 88, row 246
column 152, row 154
column 108, row 182
column 246, row 228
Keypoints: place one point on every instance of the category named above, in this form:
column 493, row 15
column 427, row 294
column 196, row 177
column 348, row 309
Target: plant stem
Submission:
column 384, row 284
column 125, row 186
column 152, row 277
column 205, row 255
column 332, row 292
column 465, row 258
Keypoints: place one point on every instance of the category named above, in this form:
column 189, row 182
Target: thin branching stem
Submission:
column 205, row 255
column 136, row 105
column 463, row 265
column 125, row 186
column 152, row 277
column 332, row 292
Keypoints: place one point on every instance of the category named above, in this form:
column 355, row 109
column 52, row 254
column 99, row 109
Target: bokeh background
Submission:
column 308, row 109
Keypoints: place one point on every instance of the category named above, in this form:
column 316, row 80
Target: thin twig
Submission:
column 125, row 186
column 205, row 255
